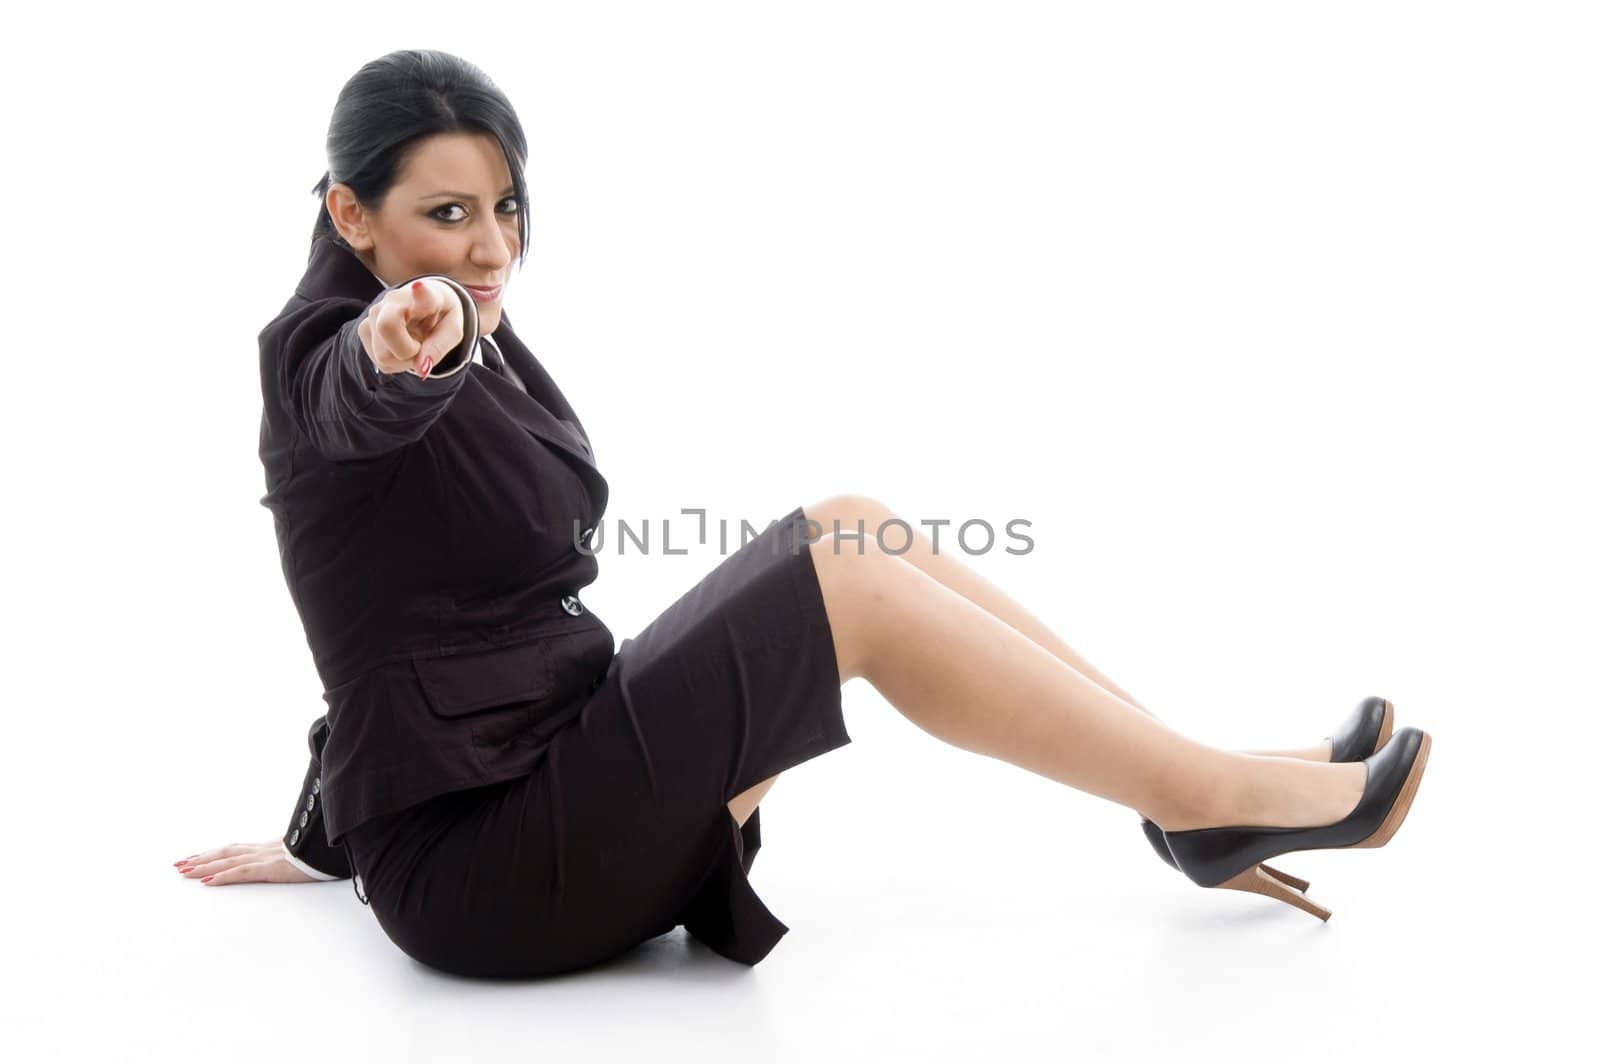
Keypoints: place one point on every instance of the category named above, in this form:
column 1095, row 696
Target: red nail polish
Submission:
column 208, row 879
column 427, row 364
column 416, row 286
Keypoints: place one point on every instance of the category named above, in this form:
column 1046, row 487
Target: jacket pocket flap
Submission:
column 463, row 683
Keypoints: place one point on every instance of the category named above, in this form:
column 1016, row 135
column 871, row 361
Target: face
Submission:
column 453, row 211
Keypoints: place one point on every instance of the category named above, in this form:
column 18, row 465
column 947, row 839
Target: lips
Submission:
column 483, row 295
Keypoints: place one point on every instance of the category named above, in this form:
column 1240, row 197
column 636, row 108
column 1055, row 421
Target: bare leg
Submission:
column 965, row 676
column 1323, row 751
column 863, row 515
column 741, row 805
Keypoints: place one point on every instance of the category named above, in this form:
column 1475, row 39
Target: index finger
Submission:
column 422, row 307
column 427, row 301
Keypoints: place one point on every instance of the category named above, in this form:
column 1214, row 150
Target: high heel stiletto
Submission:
column 1230, row 857
column 1357, row 738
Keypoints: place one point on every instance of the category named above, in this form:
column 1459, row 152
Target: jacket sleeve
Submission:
column 340, row 401
column 305, row 843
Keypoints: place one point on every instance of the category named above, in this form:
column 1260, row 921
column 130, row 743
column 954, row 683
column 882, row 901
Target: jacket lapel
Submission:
column 542, row 409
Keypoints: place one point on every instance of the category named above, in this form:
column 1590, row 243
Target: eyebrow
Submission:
column 463, row 195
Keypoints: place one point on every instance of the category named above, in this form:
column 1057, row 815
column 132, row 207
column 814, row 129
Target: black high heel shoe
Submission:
column 1230, row 857
column 1357, row 738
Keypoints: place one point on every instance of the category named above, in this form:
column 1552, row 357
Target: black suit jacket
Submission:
column 434, row 535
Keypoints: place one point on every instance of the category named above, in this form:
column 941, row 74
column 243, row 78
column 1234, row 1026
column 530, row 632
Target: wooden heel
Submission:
column 1256, row 881
column 1284, row 877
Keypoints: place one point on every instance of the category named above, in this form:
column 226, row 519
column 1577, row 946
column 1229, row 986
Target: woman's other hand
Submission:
column 242, row 862
column 413, row 326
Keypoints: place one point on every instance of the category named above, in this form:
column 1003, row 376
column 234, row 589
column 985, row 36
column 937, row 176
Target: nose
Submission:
column 490, row 249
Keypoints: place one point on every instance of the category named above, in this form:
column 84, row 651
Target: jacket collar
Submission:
column 333, row 270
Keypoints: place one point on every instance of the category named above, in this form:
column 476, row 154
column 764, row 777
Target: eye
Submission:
column 438, row 211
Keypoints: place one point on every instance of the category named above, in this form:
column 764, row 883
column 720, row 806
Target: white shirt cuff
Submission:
column 307, row 869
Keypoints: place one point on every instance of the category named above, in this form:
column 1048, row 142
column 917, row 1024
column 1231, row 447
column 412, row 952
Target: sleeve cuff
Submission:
column 457, row 359
column 307, row 869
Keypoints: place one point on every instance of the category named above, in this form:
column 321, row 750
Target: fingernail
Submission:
column 208, row 879
column 427, row 364
column 416, row 286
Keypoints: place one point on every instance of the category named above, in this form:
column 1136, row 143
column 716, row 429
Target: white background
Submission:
column 1277, row 321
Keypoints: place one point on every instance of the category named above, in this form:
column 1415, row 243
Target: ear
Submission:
column 349, row 217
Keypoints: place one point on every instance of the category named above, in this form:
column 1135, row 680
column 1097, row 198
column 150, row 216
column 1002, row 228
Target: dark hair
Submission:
column 393, row 102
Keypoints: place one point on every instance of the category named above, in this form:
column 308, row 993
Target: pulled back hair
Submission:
column 390, row 105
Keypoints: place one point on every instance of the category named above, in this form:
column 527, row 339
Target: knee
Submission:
column 848, row 513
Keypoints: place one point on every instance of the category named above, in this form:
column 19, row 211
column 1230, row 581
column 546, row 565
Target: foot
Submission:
column 1326, row 801
column 1281, row 792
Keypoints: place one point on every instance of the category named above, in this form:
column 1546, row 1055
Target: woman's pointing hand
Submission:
column 413, row 326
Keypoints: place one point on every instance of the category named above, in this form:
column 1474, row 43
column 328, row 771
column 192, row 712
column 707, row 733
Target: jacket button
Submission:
column 305, row 818
column 311, row 802
column 571, row 604
column 294, row 836
column 316, row 785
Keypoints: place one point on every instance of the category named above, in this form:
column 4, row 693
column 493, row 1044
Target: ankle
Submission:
column 1206, row 801
column 1291, row 793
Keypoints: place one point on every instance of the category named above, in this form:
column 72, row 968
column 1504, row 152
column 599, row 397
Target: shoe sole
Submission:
column 1387, row 728
column 1402, row 804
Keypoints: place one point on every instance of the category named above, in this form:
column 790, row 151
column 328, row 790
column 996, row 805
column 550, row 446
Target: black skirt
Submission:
column 622, row 832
